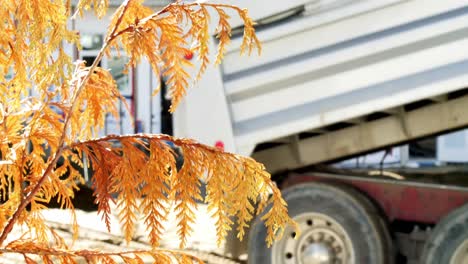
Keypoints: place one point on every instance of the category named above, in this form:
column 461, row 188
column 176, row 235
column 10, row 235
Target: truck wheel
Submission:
column 337, row 224
column 448, row 243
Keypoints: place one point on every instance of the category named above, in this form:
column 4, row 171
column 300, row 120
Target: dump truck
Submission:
column 336, row 80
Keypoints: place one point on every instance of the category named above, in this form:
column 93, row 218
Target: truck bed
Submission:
column 315, row 72
column 340, row 78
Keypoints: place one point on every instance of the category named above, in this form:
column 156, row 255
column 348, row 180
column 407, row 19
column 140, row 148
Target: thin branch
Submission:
column 130, row 28
column 163, row 137
column 89, row 253
column 153, row 16
column 166, row 8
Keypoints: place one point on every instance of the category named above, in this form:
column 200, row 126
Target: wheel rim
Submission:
column 460, row 256
column 322, row 241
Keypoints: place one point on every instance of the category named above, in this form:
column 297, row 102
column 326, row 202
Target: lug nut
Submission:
column 338, row 249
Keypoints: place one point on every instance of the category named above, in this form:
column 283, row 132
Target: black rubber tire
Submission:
column 351, row 209
column 448, row 234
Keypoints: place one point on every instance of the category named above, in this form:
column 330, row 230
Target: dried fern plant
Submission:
column 51, row 109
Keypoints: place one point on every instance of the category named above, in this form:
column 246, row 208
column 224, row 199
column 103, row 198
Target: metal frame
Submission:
column 399, row 200
column 425, row 121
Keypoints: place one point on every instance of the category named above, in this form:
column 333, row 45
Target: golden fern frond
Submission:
column 185, row 259
column 99, row 7
column 199, row 32
column 37, row 228
column 245, row 199
column 135, row 38
column 11, row 129
column 223, row 33
column 6, row 211
column 48, row 31
column 10, row 193
column 144, row 167
column 273, row 219
column 45, row 129
column 65, row 188
column 128, row 15
column 173, row 46
column 50, row 71
column 139, row 34
column 187, row 190
column 48, row 254
column 97, row 99
column 61, row 184
column 217, row 191
column 17, row 62
column 152, row 171
column 126, row 183
column 250, row 40
column 35, row 30
column 156, row 189
column 103, row 162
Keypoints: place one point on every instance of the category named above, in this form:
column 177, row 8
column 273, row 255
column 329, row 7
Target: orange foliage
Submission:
column 140, row 171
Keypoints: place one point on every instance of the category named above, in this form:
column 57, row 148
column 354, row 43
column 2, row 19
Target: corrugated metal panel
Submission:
column 330, row 73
